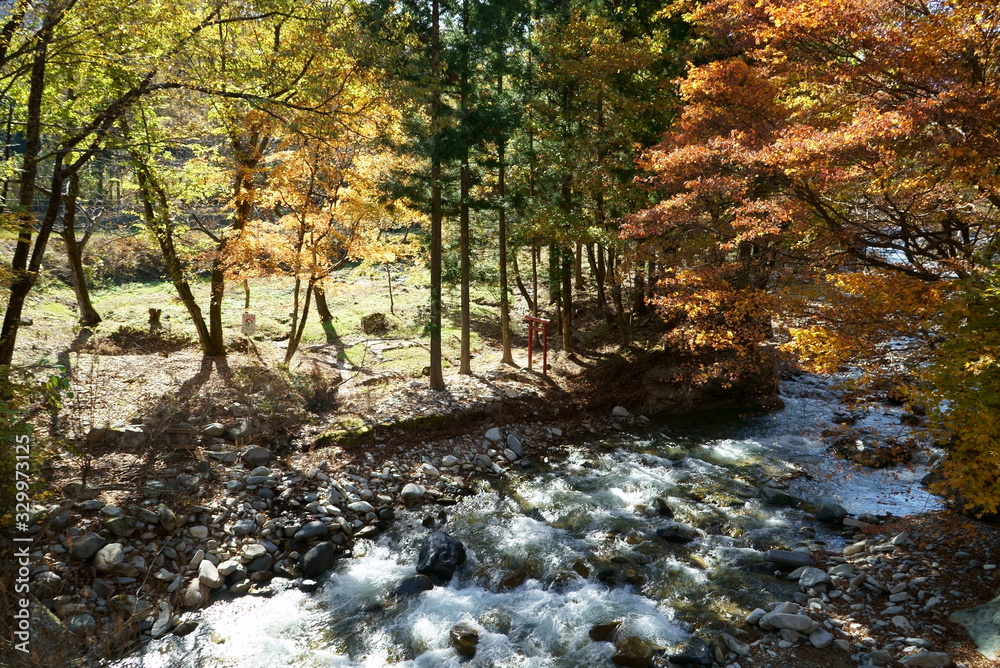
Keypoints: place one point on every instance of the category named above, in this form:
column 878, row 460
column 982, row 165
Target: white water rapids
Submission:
column 567, row 546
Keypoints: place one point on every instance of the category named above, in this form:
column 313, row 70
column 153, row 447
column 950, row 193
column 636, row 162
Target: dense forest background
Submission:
column 822, row 176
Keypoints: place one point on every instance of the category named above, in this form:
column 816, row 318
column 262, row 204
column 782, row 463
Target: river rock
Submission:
column 449, row 460
column 198, row 532
column 361, row 507
column 109, row 557
column 122, row 526
column 494, row 435
column 311, row 530
column 812, row 577
column 213, row 430
column 927, row 660
column 255, row 456
column 46, row 584
column 776, row 497
column 412, row 492
column 209, row 575
column 319, row 559
column 168, row 520
column 185, row 627
column 82, row 624
column 414, row 584
column 464, row 639
column 606, row 632
column 632, row 651
column 983, row 625
column 736, row 645
column 86, row 546
column 788, row 558
column 662, row 507
column 440, row 556
column 696, row 652
column 821, row 638
column 675, row 532
column 514, row 445
column 194, row 594
column 484, row 461
column 831, row 512
column 787, row 620
column 244, row 527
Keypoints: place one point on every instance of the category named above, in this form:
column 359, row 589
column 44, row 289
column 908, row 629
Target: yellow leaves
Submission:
column 820, row 349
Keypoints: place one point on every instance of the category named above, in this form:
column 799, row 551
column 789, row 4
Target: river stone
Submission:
column 663, row 507
column 735, row 645
column 620, row 411
column 162, row 625
column 786, row 620
column 494, row 435
column 185, row 627
column 412, row 492
column 484, row 461
column 983, row 625
column 198, row 532
column 821, row 638
column 194, row 594
column 812, row 577
column 831, row 512
column 632, row 651
column 144, row 515
column 606, row 632
column 168, row 520
column 440, row 555
column 109, row 557
column 788, row 559
column 361, row 507
column 514, row 444
column 696, row 652
column 86, row 546
column 755, row 616
column 257, row 456
column 927, row 660
column 776, row 497
column 311, row 530
column 82, row 624
column 123, row 526
column 675, row 532
column 464, row 639
column 244, row 527
column 209, row 575
column 241, row 429
column 449, row 460
column 319, row 559
column 414, row 584
column 213, row 430
column 46, row 584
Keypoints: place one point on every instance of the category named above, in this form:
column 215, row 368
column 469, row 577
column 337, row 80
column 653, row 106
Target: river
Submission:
column 572, row 543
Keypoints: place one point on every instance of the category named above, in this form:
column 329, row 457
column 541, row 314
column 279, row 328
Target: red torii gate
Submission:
column 532, row 322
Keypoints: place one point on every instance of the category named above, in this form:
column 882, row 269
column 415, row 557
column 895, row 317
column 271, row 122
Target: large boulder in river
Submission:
column 319, row 559
column 440, row 556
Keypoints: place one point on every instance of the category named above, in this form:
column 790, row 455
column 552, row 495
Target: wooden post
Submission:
column 532, row 321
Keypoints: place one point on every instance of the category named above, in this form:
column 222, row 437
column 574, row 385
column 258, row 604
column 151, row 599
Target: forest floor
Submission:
column 345, row 381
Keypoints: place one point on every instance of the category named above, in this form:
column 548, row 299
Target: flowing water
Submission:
column 568, row 545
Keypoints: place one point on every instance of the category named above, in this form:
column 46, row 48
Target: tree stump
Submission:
column 154, row 320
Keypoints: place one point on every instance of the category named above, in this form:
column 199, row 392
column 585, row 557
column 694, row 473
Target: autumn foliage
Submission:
column 842, row 156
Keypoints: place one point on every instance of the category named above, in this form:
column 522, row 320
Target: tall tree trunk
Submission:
column 578, row 267
column 24, row 279
column 156, row 215
column 89, row 316
column 436, row 376
column 554, row 255
column 298, row 322
column 508, row 356
column 520, row 283
column 566, row 314
column 465, row 356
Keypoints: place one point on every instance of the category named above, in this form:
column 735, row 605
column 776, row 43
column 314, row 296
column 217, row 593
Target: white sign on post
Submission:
column 249, row 324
